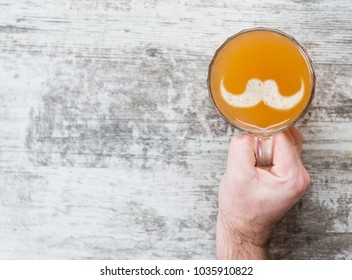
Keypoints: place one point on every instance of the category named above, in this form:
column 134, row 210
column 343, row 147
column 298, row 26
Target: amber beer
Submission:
column 261, row 80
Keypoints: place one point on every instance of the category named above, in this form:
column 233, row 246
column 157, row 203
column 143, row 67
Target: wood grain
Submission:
column 110, row 148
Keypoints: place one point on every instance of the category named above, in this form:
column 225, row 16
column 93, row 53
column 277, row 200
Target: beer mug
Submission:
column 261, row 81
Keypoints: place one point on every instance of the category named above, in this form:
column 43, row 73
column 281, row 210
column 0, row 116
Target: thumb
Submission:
column 241, row 158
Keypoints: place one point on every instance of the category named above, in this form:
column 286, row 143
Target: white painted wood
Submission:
column 110, row 148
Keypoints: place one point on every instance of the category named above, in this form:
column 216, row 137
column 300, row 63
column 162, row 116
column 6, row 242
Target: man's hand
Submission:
column 252, row 200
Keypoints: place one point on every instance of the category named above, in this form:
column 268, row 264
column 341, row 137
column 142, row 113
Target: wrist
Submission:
column 233, row 244
column 244, row 251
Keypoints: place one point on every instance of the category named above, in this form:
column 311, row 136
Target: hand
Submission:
column 252, row 200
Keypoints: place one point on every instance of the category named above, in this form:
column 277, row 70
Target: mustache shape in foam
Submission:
column 266, row 91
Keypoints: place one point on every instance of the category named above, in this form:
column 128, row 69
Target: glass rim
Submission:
column 306, row 57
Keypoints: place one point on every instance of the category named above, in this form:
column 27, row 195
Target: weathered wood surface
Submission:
column 110, row 148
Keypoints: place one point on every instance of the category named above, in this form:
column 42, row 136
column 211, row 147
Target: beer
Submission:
column 261, row 80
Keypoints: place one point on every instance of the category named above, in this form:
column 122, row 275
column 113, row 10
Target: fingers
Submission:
column 287, row 161
column 287, row 164
column 298, row 138
column 285, row 154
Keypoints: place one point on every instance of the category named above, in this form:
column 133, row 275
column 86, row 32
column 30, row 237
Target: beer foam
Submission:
column 257, row 91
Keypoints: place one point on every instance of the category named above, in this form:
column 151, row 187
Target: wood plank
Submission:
column 110, row 148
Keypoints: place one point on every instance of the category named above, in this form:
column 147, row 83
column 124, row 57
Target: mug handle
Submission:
column 264, row 151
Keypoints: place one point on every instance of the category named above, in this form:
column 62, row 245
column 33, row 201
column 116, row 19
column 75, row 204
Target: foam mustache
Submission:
column 266, row 91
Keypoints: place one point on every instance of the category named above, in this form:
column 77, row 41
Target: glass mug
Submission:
column 261, row 81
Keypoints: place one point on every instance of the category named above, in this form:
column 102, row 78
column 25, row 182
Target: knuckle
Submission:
column 308, row 179
column 300, row 182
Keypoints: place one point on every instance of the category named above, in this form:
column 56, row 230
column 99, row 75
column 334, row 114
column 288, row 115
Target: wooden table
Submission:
column 110, row 148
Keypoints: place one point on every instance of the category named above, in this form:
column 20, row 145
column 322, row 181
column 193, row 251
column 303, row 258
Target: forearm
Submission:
column 230, row 246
